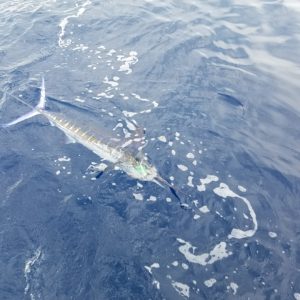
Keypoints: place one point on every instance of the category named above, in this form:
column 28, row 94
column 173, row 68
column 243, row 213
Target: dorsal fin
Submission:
column 42, row 102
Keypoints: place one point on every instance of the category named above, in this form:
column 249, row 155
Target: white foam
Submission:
column 196, row 217
column 138, row 196
column 62, row 26
column 297, row 296
column 112, row 83
column 173, row 152
column 129, row 114
column 78, row 99
column 190, row 181
column 155, row 104
column 156, row 284
column 147, row 111
column 27, row 269
column 111, row 52
column 245, row 216
column 185, row 205
column 219, row 252
column 57, row 172
column 138, row 97
column 205, row 181
column 64, row 158
column 153, row 266
column 127, row 134
column 196, row 202
column 182, row 168
column 184, row 266
column 67, row 198
column 162, row 138
column 224, row 192
column 64, row 22
column 175, row 263
column 168, row 199
column 204, row 209
column 79, row 47
column 272, row 235
column 105, row 95
column 210, row 282
column 152, row 198
column 242, row 189
column 127, row 62
column 234, row 287
column 119, row 125
column 181, row 288
column 190, row 155
column 139, row 185
column 11, row 188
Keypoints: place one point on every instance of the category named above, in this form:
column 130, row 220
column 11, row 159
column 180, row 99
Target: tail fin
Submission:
column 35, row 110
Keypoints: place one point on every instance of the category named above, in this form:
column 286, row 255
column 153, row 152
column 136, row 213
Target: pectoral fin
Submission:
column 97, row 170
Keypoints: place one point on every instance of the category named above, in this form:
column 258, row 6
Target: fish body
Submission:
column 134, row 167
column 85, row 138
column 118, row 156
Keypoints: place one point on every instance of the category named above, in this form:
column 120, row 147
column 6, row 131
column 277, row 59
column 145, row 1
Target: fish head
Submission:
column 142, row 170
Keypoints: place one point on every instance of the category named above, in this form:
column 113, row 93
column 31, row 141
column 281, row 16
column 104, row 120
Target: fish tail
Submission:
column 34, row 110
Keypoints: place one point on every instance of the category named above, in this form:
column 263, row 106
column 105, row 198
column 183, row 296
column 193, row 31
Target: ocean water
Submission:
column 215, row 84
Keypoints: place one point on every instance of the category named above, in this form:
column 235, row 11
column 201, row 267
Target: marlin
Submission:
column 135, row 167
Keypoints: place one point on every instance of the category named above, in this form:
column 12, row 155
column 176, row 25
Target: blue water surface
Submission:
column 215, row 84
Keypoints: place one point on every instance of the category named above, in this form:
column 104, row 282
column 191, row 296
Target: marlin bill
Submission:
column 135, row 167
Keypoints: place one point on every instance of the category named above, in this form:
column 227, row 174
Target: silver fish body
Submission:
column 134, row 167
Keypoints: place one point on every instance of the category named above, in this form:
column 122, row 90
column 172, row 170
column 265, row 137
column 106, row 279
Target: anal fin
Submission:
column 69, row 139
